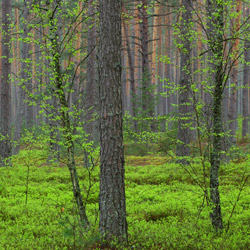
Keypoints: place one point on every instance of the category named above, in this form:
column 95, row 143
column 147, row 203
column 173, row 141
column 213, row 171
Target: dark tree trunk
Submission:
column 215, row 37
column 184, row 104
column 131, row 76
column 5, row 119
column 148, row 104
column 112, row 202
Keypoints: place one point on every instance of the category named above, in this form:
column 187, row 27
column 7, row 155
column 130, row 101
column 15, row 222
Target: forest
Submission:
column 124, row 124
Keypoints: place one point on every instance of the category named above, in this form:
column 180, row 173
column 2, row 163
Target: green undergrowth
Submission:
column 165, row 206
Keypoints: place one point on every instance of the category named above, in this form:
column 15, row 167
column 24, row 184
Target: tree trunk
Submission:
column 5, row 119
column 147, row 88
column 215, row 38
column 64, row 110
column 184, row 104
column 246, row 75
column 131, row 76
column 232, row 114
column 25, row 68
column 91, row 85
column 112, row 204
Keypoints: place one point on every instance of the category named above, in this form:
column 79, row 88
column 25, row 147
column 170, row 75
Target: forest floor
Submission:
column 166, row 208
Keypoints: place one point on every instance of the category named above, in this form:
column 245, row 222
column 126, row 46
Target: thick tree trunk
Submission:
column 5, row 119
column 112, row 202
column 184, row 104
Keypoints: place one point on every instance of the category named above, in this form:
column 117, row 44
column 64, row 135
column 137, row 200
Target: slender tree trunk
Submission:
column 184, row 105
column 148, row 104
column 136, row 49
column 215, row 37
column 5, row 119
column 29, row 115
column 91, row 85
column 91, row 90
column 112, row 204
column 59, row 92
column 168, row 73
column 232, row 114
column 246, row 75
column 131, row 75
column 25, row 68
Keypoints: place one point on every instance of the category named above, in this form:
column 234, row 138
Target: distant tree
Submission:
column 184, row 104
column 5, row 119
column 147, row 89
column 90, row 96
column 21, row 113
column 131, row 64
column 232, row 113
column 246, row 76
column 112, row 204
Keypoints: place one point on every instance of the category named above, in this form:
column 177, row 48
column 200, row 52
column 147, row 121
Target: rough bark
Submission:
column 5, row 119
column 184, row 104
column 215, row 37
column 112, row 202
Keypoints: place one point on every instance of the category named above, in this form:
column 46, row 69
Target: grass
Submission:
column 165, row 208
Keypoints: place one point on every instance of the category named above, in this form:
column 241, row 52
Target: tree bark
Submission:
column 112, row 202
column 5, row 119
column 215, row 38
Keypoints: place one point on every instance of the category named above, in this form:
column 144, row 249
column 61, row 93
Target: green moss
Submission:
column 165, row 208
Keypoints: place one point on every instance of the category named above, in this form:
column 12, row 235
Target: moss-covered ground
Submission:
column 165, row 206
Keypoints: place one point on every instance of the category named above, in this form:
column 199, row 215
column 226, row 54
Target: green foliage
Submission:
column 164, row 206
column 141, row 142
column 167, row 141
